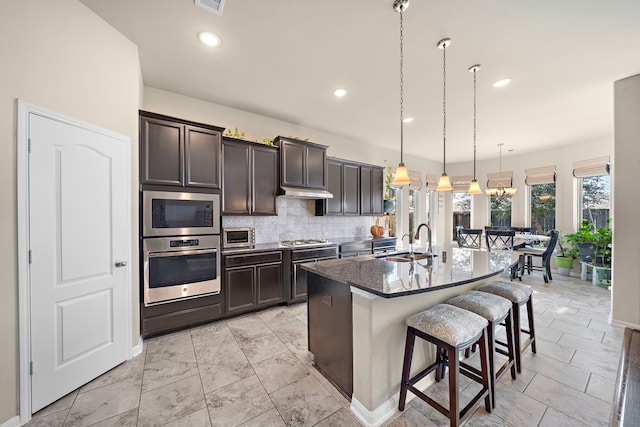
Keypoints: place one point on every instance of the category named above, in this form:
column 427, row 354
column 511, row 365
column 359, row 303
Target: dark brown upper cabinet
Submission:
column 371, row 190
column 178, row 152
column 357, row 189
column 303, row 164
column 249, row 178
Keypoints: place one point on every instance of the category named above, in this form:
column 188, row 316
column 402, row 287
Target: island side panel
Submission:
column 330, row 330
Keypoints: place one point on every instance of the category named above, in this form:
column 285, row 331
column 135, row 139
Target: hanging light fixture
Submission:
column 444, row 184
column 401, row 176
column 474, row 187
column 500, row 190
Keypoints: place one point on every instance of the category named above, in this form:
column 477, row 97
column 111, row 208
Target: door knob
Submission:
column 121, row 264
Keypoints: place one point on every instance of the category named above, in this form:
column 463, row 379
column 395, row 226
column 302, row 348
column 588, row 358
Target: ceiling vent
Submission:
column 214, row 6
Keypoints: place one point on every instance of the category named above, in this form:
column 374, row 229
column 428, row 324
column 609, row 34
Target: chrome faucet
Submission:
column 417, row 236
column 410, row 245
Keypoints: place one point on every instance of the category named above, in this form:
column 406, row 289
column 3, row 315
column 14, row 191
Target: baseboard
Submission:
column 625, row 324
column 12, row 422
column 376, row 417
column 135, row 350
column 388, row 409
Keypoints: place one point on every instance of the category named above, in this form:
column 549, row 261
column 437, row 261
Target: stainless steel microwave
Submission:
column 238, row 237
column 167, row 213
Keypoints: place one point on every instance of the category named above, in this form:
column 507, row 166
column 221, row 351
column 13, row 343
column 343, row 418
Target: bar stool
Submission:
column 495, row 309
column 452, row 330
column 518, row 295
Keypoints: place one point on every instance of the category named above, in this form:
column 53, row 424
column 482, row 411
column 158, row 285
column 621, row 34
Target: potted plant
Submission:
column 565, row 254
column 594, row 245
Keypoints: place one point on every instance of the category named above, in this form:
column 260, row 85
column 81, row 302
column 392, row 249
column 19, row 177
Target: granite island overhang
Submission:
column 357, row 309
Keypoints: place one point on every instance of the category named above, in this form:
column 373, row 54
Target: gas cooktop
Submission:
column 304, row 243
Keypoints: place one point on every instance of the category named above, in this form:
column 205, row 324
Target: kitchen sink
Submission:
column 407, row 257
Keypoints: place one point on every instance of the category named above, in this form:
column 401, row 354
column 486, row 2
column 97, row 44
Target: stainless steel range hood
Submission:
column 305, row 193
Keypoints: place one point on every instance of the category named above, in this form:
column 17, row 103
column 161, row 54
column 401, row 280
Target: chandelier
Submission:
column 500, row 190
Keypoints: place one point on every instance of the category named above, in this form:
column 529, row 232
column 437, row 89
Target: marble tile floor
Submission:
column 254, row 370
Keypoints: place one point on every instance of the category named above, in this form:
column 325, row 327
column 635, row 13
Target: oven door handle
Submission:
column 181, row 253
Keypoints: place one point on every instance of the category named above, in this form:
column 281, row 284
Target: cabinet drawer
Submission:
column 253, row 259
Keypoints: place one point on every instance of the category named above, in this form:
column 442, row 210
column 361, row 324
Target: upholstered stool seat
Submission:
column 518, row 295
column 495, row 309
column 451, row 329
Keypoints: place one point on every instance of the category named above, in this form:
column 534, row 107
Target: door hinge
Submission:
column 29, row 256
column 29, row 145
column 31, row 368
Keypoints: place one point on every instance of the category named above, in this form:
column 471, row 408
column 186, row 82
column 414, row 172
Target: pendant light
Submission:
column 474, row 187
column 444, row 184
column 401, row 176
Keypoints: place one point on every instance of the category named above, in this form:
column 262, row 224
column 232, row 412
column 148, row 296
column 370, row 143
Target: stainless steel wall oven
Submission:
column 180, row 267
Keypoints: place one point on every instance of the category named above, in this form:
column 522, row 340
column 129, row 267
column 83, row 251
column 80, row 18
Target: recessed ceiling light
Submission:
column 210, row 39
column 339, row 93
column 502, row 83
column 407, row 119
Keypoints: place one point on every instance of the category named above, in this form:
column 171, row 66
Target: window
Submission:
column 542, row 190
column 595, row 197
column 427, row 205
column 461, row 211
column 595, row 190
column 414, row 214
column 543, row 207
column 500, row 213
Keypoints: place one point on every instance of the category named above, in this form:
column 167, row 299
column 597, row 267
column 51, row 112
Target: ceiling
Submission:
column 283, row 59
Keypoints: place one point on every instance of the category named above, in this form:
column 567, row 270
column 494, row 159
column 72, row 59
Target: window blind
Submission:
column 544, row 175
column 416, row 181
column 461, row 183
column 500, row 178
column 591, row 167
column 431, row 181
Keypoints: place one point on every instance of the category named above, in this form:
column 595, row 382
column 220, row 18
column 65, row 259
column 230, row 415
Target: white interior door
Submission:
column 78, row 235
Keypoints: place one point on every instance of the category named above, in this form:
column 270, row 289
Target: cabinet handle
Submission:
column 120, row 264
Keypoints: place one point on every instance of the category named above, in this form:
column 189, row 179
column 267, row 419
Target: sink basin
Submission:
column 408, row 257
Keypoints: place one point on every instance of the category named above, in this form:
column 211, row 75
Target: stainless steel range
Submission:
column 304, row 243
column 301, row 251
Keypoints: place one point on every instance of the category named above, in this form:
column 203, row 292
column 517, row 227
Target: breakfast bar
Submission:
column 357, row 309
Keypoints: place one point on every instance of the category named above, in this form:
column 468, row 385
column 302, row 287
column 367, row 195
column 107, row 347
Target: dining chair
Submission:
column 520, row 231
column 543, row 253
column 469, row 238
column 499, row 239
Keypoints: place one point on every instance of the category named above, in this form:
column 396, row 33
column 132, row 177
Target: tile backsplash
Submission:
column 296, row 220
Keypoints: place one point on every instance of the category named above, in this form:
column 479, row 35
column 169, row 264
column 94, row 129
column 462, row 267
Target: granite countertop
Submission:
column 389, row 279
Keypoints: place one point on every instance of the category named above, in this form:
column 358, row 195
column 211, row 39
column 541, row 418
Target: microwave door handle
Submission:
column 181, row 253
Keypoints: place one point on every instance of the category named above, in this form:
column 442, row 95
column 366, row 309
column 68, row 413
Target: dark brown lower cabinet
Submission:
column 253, row 281
column 331, row 330
column 163, row 318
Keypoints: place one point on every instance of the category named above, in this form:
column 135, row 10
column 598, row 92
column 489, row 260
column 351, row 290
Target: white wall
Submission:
column 58, row 55
column 626, row 174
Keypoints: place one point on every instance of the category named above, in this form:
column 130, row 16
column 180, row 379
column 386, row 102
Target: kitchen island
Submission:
column 357, row 309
